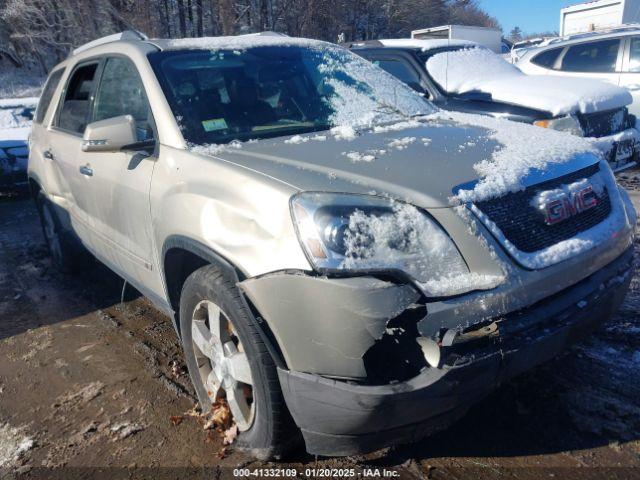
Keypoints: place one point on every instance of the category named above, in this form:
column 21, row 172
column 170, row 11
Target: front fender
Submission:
column 240, row 214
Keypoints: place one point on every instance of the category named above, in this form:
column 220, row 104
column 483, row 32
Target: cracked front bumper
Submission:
column 340, row 418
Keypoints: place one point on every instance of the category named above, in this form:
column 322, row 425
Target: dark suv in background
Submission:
column 470, row 78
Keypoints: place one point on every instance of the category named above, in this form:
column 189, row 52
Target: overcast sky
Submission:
column 531, row 16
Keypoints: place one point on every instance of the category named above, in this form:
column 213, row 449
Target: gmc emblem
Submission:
column 559, row 205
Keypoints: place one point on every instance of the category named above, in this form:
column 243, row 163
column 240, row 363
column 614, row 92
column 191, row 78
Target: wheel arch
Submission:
column 181, row 256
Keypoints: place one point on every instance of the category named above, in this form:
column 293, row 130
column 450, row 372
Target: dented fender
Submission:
column 325, row 325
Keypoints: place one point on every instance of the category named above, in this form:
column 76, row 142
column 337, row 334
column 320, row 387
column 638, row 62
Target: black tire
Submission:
column 67, row 253
column 272, row 433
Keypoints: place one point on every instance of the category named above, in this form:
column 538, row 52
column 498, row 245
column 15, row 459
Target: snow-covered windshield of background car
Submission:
column 238, row 94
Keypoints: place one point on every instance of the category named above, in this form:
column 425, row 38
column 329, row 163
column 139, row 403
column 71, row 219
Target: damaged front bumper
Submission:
column 345, row 418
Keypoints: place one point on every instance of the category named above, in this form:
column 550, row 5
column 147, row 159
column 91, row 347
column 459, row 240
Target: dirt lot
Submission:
column 89, row 386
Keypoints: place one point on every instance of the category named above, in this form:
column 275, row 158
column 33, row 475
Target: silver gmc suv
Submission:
column 340, row 259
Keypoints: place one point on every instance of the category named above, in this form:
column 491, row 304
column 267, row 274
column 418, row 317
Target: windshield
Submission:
column 464, row 69
column 225, row 95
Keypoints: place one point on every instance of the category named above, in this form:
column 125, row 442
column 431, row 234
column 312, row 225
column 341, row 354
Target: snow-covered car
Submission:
column 611, row 55
column 16, row 115
column 339, row 257
column 464, row 76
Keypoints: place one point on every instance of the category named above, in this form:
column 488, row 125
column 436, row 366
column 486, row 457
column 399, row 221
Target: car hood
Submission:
column 423, row 162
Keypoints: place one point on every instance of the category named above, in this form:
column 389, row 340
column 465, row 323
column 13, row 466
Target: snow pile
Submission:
column 521, row 149
column 480, row 70
column 12, row 444
column 343, row 132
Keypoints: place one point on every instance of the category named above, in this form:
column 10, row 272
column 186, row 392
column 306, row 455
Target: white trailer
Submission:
column 489, row 37
column 598, row 15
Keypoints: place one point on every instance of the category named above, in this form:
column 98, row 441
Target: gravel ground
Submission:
column 94, row 388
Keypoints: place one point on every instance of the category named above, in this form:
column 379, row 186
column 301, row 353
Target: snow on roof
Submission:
column 238, row 42
column 481, row 70
column 425, row 44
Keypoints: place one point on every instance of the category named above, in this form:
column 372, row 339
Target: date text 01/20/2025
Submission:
column 316, row 473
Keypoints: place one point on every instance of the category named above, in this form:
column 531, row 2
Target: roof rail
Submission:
column 627, row 27
column 126, row 35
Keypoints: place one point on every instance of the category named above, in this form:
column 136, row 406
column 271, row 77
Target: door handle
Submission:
column 48, row 155
column 86, row 170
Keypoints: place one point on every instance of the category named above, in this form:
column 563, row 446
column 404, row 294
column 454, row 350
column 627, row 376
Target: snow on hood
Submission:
column 421, row 161
column 522, row 149
column 479, row 69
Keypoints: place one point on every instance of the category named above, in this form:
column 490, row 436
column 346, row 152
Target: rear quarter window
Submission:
column 547, row 59
column 47, row 94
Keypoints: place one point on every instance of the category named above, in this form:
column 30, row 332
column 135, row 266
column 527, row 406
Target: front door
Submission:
column 118, row 197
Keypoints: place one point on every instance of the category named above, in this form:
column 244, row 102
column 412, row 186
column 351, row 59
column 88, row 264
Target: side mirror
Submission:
column 110, row 135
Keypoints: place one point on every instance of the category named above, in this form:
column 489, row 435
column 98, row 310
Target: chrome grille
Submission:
column 524, row 226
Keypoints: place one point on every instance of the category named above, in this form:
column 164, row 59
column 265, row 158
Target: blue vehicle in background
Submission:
column 16, row 115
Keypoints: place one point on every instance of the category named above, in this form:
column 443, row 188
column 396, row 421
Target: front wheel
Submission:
column 227, row 359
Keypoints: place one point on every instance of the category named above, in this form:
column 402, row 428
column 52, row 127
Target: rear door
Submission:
column 65, row 146
column 118, row 198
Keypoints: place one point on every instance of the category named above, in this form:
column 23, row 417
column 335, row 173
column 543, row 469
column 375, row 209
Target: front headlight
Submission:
column 569, row 124
column 362, row 233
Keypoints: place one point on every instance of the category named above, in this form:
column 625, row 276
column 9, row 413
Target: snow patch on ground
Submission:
column 19, row 83
column 480, row 70
column 13, row 444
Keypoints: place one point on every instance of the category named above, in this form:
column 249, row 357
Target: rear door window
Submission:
column 75, row 110
column 121, row 92
column 599, row 57
column 47, row 94
column 547, row 59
